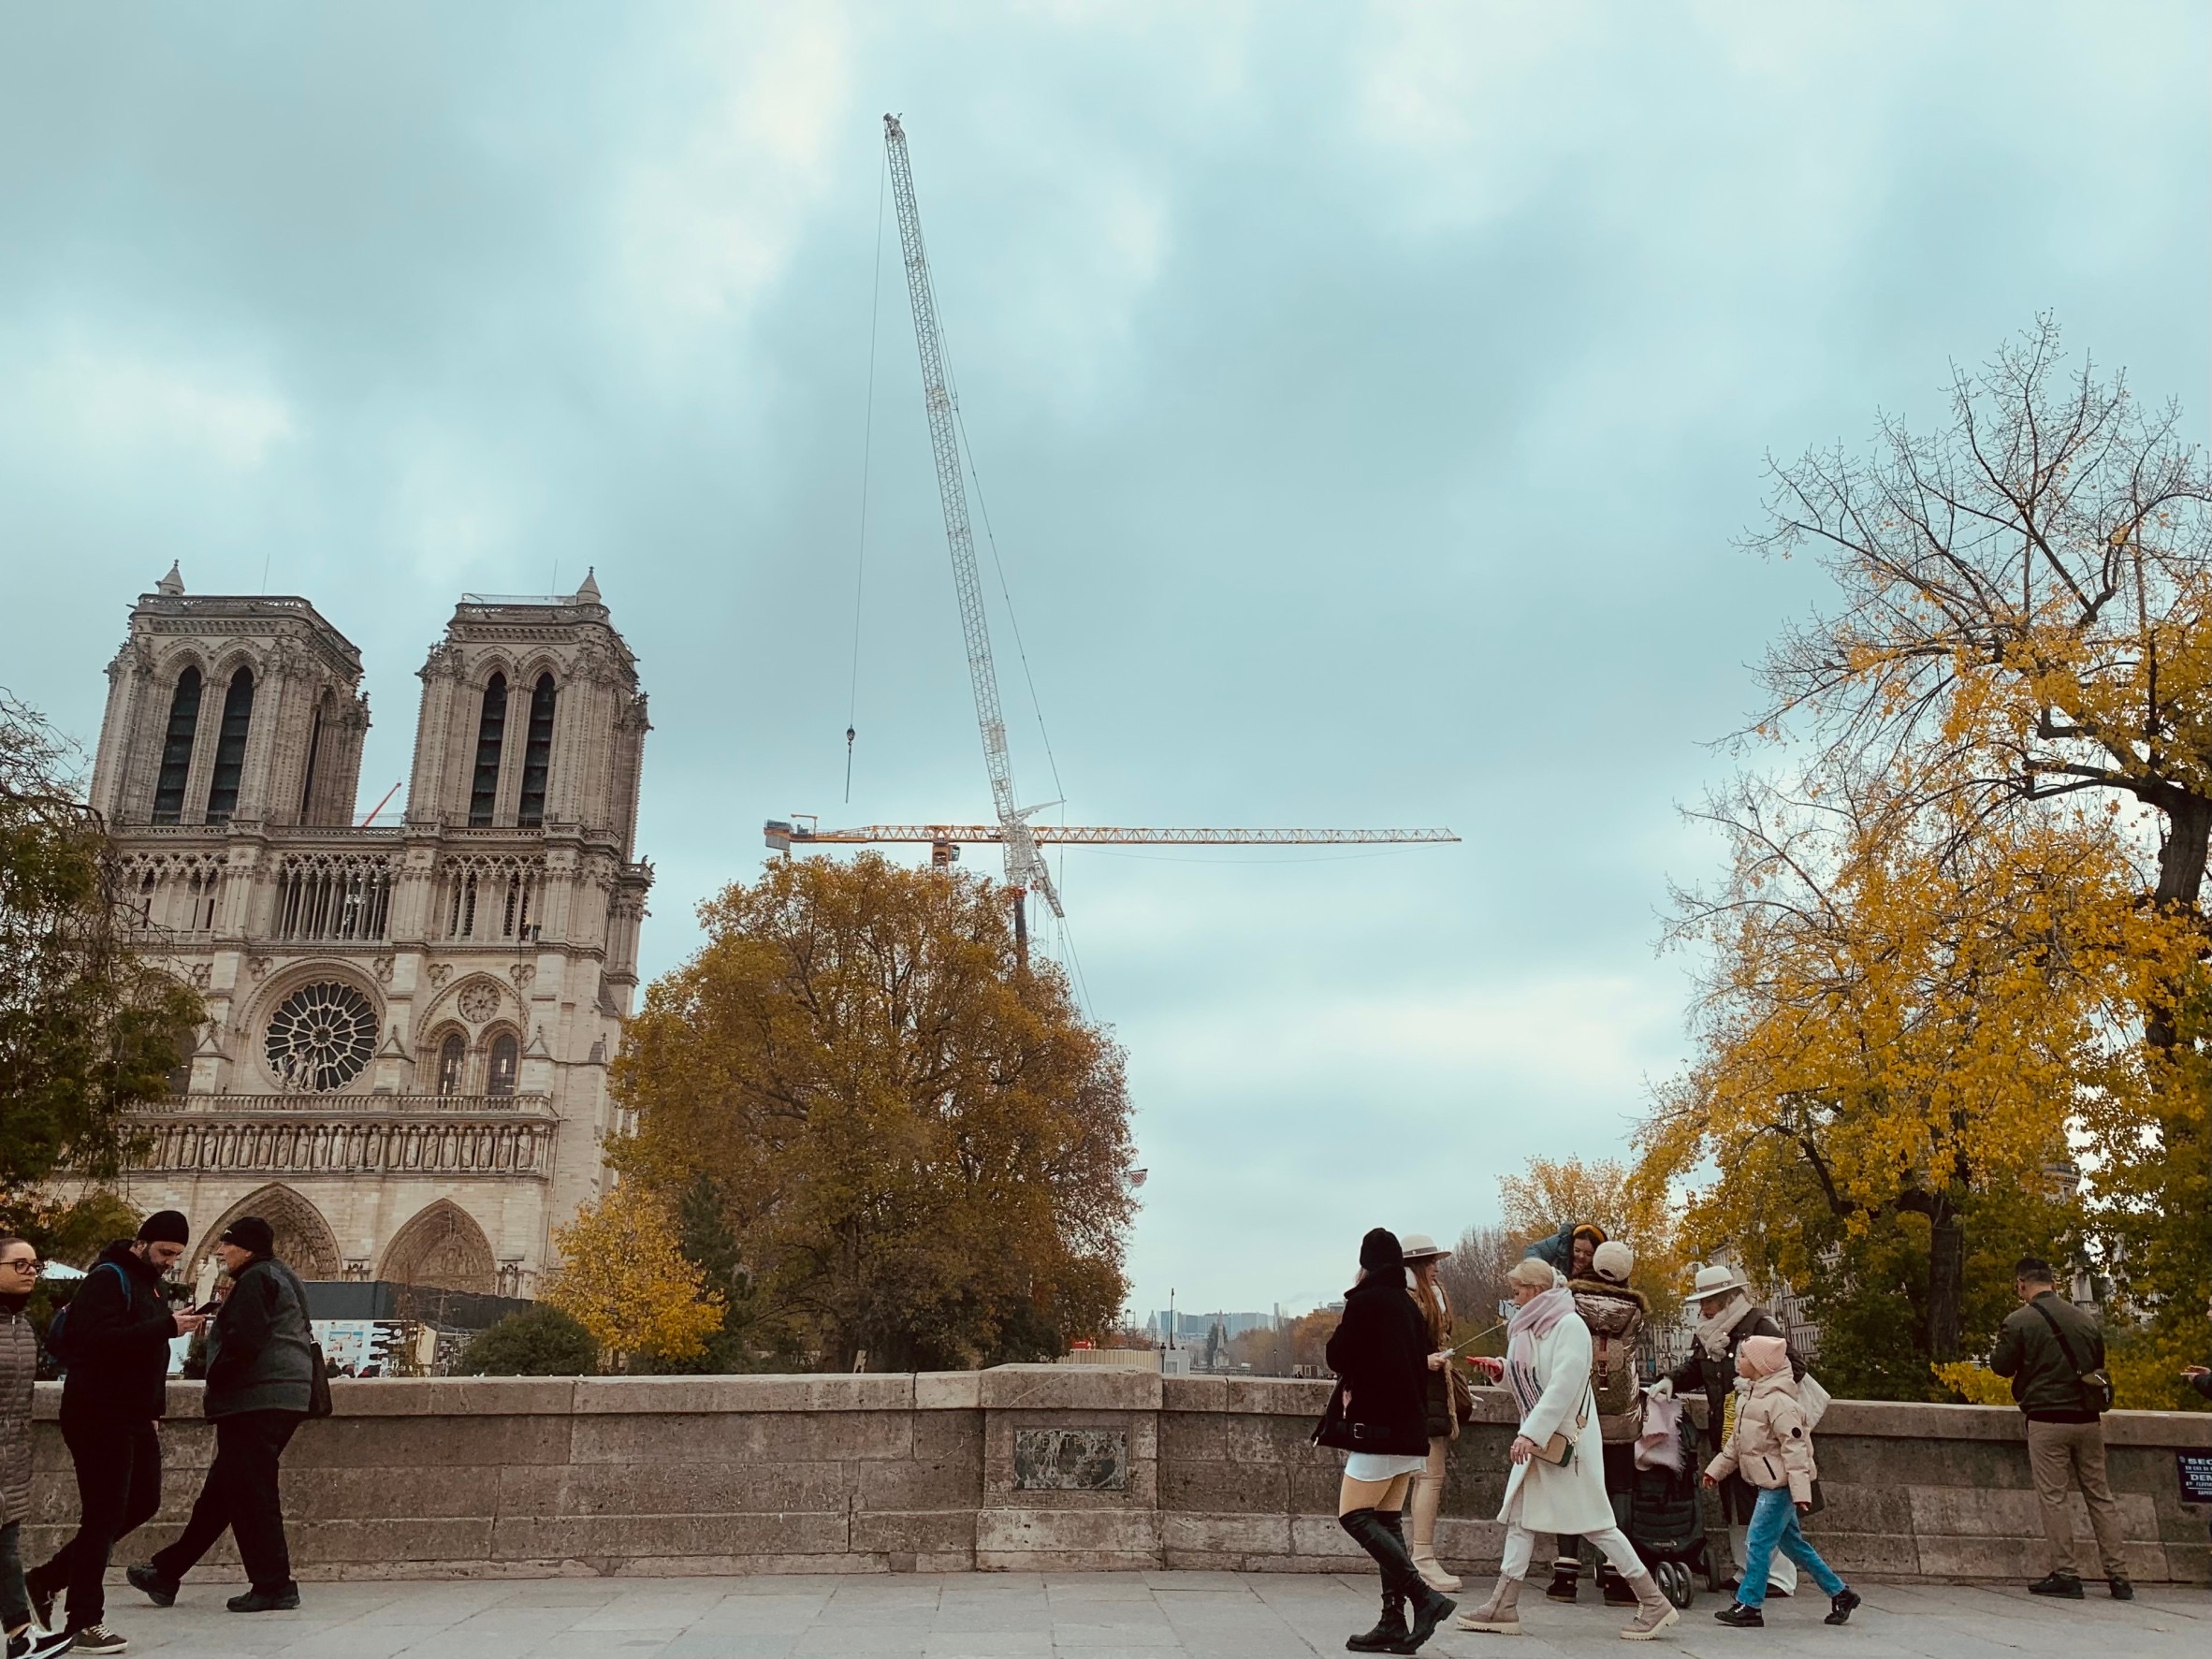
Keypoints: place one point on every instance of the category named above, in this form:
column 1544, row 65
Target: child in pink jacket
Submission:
column 1772, row 1448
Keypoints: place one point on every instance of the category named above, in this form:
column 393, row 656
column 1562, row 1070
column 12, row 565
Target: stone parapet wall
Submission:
column 1019, row 1467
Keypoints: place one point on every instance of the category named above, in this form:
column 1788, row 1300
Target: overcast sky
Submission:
column 1366, row 400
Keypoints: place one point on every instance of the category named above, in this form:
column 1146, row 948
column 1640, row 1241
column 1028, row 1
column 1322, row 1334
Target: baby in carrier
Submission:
column 1772, row 1448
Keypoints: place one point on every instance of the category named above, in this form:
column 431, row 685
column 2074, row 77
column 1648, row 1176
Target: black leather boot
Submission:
column 1376, row 1532
column 1389, row 1630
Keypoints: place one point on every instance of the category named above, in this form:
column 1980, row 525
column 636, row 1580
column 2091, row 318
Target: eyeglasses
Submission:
column 27, row 1264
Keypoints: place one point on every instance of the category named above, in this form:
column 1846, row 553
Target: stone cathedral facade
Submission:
column 410, row 1021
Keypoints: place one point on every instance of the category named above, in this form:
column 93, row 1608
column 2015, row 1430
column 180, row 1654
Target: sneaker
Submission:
column 41, row 1602
column 1841, row 1605
column 49, row 1645
column 95, row 1639
column 1739, row 1617
column 265, row 1601
column 2121, row 1590
column 149, row 1582
column 19, row 1643
column 2061, row 1584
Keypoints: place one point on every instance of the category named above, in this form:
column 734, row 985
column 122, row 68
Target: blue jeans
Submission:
column 1774, row 1526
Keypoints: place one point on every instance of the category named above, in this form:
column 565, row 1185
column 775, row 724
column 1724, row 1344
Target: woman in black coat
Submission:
column 1380, row 1417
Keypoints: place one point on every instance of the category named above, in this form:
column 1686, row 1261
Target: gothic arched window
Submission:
column 491, row 731
column 230, row 747
column 452, row 1055
column 506, row 1055
column 314, row 752
column 537, row 752
column 176, row 748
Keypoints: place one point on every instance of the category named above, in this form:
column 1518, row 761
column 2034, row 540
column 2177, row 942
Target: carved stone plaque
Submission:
column 1072, row 1460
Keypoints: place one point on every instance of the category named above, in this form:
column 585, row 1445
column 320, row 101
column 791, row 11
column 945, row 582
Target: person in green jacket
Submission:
column 2047, row 1347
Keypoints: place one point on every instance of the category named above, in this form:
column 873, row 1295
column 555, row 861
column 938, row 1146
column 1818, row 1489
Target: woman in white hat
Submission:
column 1547, row 1369
column 1422, row 1256
column 1727, row 1318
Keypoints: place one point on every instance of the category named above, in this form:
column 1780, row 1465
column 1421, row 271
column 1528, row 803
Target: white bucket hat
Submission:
column 1419, row 1246
column 1717, row 1281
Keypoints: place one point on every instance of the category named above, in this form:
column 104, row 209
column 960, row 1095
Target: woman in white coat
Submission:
column 1547, row 1369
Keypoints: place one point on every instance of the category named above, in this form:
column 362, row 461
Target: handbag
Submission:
column 1462, row 1397
column 2096, row 1386
column 318, row 1384
column 1560, row 1448
column 1815, row 1399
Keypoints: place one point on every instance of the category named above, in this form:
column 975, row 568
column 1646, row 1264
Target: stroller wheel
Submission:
column 1674, row 1583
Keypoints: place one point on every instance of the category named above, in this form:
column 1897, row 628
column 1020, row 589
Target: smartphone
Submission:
column 209, row 1308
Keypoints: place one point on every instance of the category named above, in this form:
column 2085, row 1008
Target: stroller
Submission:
column 1667, row 1520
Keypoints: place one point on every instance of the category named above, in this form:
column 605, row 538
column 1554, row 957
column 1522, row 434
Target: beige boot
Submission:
column 1498, row 1615
column 1421, row 1533
column 1653, row 1611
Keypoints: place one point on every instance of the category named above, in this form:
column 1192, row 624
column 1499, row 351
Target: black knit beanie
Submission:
column 1379, row 1252
column 164, row 1226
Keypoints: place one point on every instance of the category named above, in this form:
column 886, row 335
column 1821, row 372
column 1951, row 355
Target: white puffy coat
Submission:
column 1552, row 1498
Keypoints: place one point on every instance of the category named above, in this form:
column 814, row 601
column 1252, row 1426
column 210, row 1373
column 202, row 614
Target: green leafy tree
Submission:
column 88, row 1029
column 919, row 1147
column 540, row 1341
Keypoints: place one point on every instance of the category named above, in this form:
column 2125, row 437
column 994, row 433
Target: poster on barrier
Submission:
column 2194, row 1470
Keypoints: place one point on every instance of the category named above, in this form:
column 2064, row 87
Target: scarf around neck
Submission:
column 1530, row 1324
column 1712, row 1334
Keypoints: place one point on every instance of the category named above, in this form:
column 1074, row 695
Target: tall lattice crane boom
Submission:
column 783, row 836
column 1025, row 868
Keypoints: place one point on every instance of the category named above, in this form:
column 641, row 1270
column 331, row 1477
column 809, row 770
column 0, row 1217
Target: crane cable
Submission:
column 868, row 445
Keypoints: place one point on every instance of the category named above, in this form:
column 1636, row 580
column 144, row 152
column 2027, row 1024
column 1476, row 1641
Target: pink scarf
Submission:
column 1530, row 1324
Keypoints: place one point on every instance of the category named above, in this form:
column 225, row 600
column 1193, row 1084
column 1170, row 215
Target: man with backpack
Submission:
column 2055, row 1355
column 114, row 1340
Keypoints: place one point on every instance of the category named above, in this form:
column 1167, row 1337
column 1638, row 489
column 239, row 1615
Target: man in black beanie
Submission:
column 116, row 1346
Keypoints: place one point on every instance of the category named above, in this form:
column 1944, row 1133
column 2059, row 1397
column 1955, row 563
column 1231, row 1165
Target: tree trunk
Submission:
column 1946, row 1282
column 2181, row 881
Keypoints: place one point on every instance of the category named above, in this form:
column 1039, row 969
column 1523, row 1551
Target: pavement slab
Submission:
column 1147, row 1615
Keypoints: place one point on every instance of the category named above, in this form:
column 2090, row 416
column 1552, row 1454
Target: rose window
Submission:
column 321, row 1036
column 479, row 1001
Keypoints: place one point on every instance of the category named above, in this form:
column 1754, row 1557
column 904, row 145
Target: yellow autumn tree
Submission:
column 1910, row 1009
column 623, row 1278
column 2021, row 615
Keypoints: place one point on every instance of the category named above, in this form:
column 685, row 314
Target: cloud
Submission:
column 112, row 408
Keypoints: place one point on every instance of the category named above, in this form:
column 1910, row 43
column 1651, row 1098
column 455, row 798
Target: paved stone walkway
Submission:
column 1091, row 1616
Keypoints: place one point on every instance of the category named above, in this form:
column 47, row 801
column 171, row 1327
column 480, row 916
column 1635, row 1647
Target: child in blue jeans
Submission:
column 1772, row 1448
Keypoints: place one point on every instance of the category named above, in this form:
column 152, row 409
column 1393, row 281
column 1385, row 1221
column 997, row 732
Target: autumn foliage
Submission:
column 919, row 1146
column 1959, row 954
column 624, row 1281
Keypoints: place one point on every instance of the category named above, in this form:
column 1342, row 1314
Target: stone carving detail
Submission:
column 438, row 972
column 522, row 973
column 1072, row 1460
column 203, row 974
column 220, row 1138
column 258, row 966
column 478, row 1002
column 384, row 970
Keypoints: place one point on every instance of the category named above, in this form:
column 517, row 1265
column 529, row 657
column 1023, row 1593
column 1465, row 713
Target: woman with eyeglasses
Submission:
column 19, row 1370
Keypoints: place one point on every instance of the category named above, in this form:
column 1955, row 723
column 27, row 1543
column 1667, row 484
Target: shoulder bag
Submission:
column 2096, row 1386
column 1559, row 1449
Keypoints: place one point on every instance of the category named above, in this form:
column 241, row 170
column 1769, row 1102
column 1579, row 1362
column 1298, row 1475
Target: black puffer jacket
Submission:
column 120, row 1326
column 259, row 1357
column 1380, row 1349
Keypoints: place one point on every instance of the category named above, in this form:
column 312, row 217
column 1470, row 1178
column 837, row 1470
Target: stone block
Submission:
column 704, row 1487
column 1987, row 1557
column 1890, row 1420
column 948, row 1390
column 835, row 1392
column 1192, row 1435
column 949, row 1436
column 1862, row 1510
column 1319, row 1536
column 2171, row 1431
column 340, row 1541
column 453, row 1396
column 1295, row 1397
column 629, row 1537
column 1957, row 1512
column 1889, row 1555
column 1220, row 1486
column 1067, row 1534
column 1212, row 1534
column 890, row 1485
column 918, row 1531
column 1207, row 1395
column 358, row 1494
column 749, row 1437
column 450, row 1443
column 1071, row 1388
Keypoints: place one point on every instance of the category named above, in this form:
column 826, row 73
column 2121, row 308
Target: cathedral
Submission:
column 404, row 1064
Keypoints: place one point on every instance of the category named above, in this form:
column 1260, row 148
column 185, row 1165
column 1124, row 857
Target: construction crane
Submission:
column 944, row 840
column 1025, row 867
column 1018, row 838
